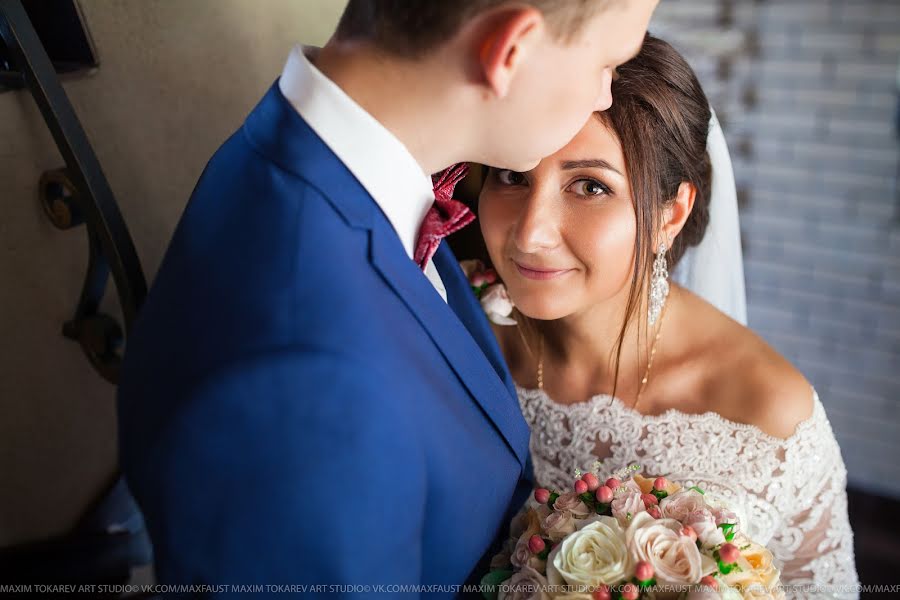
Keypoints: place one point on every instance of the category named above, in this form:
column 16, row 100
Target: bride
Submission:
column 616, row 365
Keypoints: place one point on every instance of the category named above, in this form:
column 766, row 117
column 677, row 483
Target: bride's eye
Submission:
column 589, row 187
column 507, row 177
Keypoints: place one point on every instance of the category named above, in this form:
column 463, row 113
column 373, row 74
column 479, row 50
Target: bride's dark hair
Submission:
column 661, row 116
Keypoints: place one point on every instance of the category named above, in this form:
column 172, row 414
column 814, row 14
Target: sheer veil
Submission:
column 714, row 269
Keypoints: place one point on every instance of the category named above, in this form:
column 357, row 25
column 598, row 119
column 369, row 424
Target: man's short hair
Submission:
column 411, row 28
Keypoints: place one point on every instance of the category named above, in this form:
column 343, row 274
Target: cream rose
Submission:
column 674, row 557
column 723, row 593
column 558, row 525
column 572, row 504
column 592, row 556
column 526, row 584
column 679, row 506
column 758, row 574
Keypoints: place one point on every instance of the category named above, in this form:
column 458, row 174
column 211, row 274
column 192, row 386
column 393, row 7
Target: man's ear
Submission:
column 676, row 215
column 511, row 35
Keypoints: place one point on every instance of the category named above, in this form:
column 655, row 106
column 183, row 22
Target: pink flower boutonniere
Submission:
column 489, row 291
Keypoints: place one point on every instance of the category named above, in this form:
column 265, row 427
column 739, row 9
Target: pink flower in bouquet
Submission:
column 527, row 584
column 626, row 504
column 703, row 522
column 497, row 304
column 679, row 506
column 723, row 515
column 522, row 556
column 571, row 503
column 674, row 557
column 501, row 560
column 471, row 267
column 558, row 525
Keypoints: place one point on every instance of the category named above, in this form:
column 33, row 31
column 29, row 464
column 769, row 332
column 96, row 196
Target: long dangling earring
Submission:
column 659, row 285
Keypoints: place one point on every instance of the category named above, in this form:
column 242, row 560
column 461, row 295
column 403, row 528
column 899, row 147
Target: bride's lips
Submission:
column 539, row 273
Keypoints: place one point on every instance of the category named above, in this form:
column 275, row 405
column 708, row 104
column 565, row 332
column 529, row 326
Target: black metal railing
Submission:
column 78, row 195
column 110, row 538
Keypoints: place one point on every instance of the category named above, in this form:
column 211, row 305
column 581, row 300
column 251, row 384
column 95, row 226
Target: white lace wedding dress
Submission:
column 791, row 491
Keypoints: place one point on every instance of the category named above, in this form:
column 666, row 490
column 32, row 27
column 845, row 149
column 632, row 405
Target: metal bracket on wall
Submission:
column 78, row 195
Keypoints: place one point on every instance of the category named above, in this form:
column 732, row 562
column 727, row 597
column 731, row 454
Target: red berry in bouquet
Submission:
column 643, row 571
column 649, row 500
column 604, row 494
column 602, row 593
column 729, row 553
column 536, row 544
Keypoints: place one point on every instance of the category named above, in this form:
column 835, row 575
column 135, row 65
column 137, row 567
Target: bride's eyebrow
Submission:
column 591, row 163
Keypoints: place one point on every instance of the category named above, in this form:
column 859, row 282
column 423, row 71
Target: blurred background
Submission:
column 807, row 94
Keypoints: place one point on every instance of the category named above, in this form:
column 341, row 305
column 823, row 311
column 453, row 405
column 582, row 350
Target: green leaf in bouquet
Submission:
column 660, row 494
column 492, row 580
column 588, row 498
column 698, row 490
column 552, row 500
column 728, row 530
column 646, row 584
column 725, row 569
column 601, row 508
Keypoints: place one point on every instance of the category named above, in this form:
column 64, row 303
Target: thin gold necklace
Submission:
column 540, row 365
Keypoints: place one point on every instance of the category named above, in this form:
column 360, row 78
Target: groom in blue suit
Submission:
column 307, row 398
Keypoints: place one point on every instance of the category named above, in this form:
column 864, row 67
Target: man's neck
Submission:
column 410, row 99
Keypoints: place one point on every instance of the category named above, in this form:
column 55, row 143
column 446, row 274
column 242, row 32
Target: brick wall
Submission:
column 807, row 92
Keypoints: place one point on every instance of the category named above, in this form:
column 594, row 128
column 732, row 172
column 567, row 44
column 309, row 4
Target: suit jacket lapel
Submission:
column 278, row 132
column 466, row 306
column 454, row 340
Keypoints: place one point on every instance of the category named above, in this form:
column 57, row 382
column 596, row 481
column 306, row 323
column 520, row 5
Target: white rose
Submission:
column 497, row 304
column 674, row 557
column 704, row 523
column 679, row 506
column 705, row 593
column 592, row 556
column 526, row 584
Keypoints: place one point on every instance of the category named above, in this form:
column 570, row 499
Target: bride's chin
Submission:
column 541, row 310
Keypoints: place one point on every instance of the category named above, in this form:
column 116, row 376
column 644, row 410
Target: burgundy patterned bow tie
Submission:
column 446, row 215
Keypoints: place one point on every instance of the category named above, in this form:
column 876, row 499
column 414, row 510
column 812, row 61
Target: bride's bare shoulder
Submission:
column 754, row 382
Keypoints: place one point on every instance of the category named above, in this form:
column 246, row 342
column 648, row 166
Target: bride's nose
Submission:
column 538, row 225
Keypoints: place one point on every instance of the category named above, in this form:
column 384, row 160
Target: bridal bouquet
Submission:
column 630, row 537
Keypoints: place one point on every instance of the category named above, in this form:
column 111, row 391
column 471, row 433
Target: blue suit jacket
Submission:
column 298, row 405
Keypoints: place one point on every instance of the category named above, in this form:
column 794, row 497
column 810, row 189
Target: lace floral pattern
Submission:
column 792, row 492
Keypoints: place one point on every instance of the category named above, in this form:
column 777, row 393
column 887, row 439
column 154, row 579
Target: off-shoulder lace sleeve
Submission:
column 815, row 541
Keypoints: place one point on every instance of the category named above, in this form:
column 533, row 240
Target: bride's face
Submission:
column 561, row 236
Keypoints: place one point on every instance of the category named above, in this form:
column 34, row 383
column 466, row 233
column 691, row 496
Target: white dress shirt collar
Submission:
column 380, row 161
